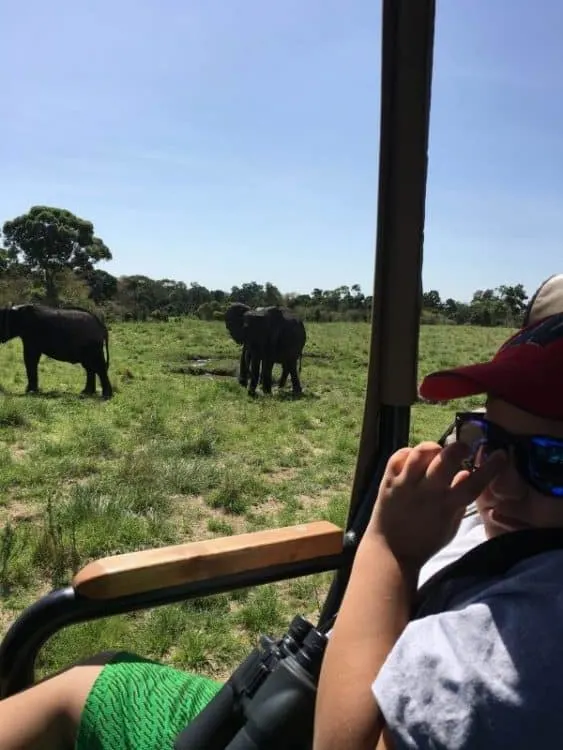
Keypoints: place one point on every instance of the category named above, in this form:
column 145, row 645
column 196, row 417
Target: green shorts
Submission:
column 139, row 704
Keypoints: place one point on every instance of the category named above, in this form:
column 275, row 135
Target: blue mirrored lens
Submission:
column 545, row 463
column 539, row 460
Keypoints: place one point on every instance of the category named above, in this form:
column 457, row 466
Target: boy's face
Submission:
column 509, row 503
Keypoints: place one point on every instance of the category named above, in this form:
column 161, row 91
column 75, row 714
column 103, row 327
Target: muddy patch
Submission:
column 217, row 367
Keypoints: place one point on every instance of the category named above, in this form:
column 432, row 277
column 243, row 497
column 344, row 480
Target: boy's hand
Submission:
column 423, row 496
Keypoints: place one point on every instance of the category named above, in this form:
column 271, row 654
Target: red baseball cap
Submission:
column 527, row 372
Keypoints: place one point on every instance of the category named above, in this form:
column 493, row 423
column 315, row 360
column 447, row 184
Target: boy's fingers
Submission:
column 460, row 477
column 417, row 462
column 447, row 464
column 397, row 461
column 467, row 490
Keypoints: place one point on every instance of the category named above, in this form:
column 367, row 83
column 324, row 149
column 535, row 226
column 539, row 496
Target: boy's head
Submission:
column 524, row 388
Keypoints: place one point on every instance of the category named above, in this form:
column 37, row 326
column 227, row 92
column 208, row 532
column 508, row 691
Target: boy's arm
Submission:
column 420, row 504
column 374, row 612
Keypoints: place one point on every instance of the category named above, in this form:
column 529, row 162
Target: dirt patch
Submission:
column 16, row 511
column 7, row 617
column 284, row 474
column 265, row 514
column 270, row 506
column 18, row 452
column 192, row 515
column 78, row 482
column 318, row 502
column 309, row 447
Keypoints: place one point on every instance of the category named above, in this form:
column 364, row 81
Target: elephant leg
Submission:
column 107, row 390
column 284, row 376
column 102, row 371
column 90, row 387
column 267, row 367
column 295, row 382
column 95, row 363
column 254, row 373
column 31, row 359
column 243, row 367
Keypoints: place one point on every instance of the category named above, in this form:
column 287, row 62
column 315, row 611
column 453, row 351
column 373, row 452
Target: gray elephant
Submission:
column 268, row 335
column 66, row 334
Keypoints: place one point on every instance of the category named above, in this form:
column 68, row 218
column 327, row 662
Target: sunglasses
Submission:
column 537, row 458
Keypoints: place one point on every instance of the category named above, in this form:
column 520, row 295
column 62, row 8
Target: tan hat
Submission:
column 547, row 300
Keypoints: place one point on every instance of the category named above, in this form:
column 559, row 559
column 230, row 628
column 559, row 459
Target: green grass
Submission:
column 176, row 457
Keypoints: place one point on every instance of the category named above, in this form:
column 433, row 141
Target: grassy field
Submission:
column 176, row 456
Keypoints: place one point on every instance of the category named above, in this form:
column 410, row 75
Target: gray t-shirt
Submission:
column 487, row 673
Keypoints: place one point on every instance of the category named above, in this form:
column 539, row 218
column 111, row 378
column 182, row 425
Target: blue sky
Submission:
column 223, row 142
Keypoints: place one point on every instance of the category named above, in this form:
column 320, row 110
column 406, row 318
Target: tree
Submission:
column 488, row 309
column 103, row 286
column 50, row 240
column 272, row 295
column 451, row 307
column 431, row 300
column 251, row 294
column 138, row 294
column 358, row 298
column 514, row 297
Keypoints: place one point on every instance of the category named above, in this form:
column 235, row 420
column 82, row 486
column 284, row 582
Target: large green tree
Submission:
column 48, row 241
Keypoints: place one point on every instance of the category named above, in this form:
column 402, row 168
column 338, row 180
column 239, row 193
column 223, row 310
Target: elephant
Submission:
column 267, row 335
column 68, row 334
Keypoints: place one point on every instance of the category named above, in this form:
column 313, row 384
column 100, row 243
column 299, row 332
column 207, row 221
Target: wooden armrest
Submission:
column 148, row 570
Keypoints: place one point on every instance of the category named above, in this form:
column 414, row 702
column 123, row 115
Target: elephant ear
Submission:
column 234, row 321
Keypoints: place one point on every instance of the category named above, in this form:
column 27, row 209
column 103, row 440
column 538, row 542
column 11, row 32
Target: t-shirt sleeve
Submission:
column 478, row 677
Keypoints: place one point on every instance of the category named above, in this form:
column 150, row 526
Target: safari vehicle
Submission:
column 263, row 705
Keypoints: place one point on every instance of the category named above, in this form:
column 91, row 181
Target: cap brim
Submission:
column 489, row 377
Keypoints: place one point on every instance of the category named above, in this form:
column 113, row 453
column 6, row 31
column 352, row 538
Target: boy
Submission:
column 488, row 672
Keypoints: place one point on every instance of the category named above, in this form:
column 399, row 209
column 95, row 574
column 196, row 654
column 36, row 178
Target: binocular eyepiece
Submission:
column 269, row 700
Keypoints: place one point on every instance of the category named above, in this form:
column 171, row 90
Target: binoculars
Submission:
column 269, row 700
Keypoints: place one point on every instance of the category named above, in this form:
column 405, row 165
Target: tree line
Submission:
column 49, row 255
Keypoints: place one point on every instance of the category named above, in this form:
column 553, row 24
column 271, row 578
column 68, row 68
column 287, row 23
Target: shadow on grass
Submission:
column 317, row 355
column 290, row 396
column 285, row 395
column 55, row 394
